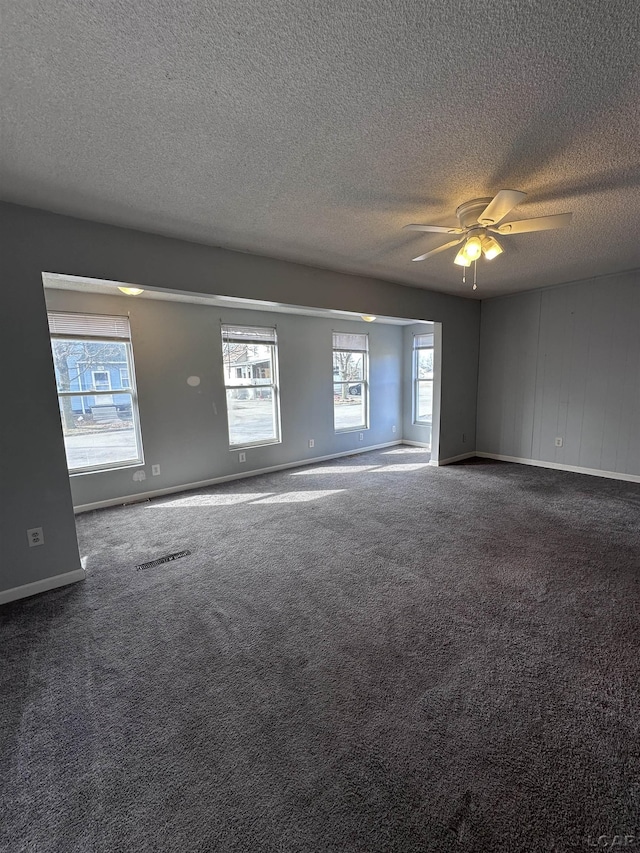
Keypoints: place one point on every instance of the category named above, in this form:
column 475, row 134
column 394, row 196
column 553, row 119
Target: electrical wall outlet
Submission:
column 311, row 442
column 155, row 470
column 393, row 428
column 559, row 441
column 361, row 436
column 242, row 457
column 35, row 536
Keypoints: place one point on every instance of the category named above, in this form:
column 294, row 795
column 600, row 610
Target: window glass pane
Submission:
column 98, row 433
column 82, row 365
column 424, row 401
column 252, row 415
column 247, row 364
column 349, row 406
column 425, row 363
column 347, row 366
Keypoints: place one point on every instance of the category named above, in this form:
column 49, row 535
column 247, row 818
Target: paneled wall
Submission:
column 563, row 363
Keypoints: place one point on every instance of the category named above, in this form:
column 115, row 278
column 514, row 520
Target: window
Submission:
column 102, row 382
column 250, row 360
column 422, row 379
column 93, row 363
column 350, row 381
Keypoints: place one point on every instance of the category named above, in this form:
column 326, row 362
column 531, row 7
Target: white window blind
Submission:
column 67, row 325
column 350, row 342
column 420, row 341
column 248, row 334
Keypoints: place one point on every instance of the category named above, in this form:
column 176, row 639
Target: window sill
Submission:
column 125, row 466
column 233, row 448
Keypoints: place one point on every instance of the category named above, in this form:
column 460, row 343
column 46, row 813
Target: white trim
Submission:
column 439, row 462
column 417, row 443
column 43, row 585
column 559, row 466
column 187, row 487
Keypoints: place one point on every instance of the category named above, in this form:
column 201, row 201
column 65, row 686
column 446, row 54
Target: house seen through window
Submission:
column 93, row 365
column 250, row 363
column 350, row 381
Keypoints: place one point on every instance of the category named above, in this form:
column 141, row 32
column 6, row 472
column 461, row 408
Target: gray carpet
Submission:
column 363, row 656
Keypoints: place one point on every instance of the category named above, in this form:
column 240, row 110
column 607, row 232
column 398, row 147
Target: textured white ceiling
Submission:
column 313, row 131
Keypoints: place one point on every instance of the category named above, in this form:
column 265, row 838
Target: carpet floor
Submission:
column 370, row 655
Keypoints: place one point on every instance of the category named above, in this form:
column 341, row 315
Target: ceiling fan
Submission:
column 480, row 219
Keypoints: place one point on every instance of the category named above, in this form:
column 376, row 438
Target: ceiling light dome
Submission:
column 473, row 248
column 491, row 248
column 461, row 259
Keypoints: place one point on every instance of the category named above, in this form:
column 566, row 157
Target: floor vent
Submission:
column 168, row 559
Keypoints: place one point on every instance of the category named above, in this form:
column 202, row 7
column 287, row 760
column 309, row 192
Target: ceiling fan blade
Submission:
column 435, row 251
column 539, row 223
column 439, row 229
column 498, row 208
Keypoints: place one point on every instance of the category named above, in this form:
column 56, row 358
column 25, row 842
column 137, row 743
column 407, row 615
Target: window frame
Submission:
column 417, row 381
column 364, row 382
column 124, row 387
column 80, row 392
column 264, row 336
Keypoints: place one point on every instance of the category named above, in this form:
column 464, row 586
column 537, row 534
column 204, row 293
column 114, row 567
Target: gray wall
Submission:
column 184, row 429
column 33, row 476
column 455, row 361
column 563, row 362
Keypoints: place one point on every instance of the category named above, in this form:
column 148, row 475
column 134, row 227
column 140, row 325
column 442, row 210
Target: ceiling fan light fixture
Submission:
column 461, row 259
column 472, row 248
column 131, row 291
column 478, row 217
column 491, row 248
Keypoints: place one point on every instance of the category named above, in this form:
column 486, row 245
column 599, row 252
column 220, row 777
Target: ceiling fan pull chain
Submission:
column 464, row 275
column 475, row 270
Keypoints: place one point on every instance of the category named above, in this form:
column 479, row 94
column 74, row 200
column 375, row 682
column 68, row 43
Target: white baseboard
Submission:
column 559, row 466
column 439, row 462
column 201, row 484
column 416, row 443
column 43, row 585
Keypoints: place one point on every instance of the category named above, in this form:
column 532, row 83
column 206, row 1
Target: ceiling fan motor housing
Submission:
column 469, row 212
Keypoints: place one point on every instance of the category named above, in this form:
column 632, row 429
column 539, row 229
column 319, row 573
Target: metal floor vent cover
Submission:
column 168, row 559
